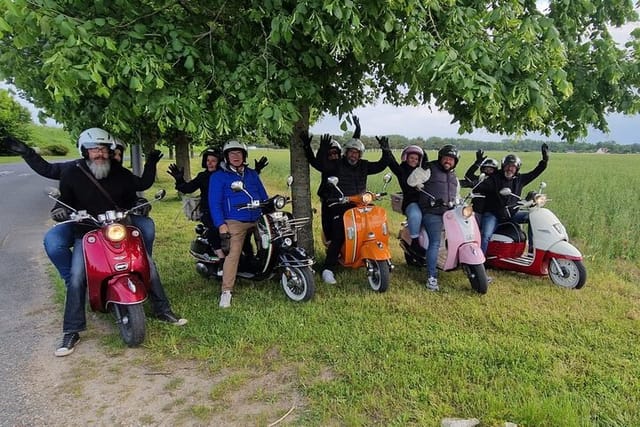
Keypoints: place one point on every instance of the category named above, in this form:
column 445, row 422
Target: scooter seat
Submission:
column 509, row 232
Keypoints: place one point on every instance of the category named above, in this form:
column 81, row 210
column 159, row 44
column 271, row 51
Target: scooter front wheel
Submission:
column 378, row 274
column 298, row 283
column 477, row 276
column 131, row 322
column 567, row 273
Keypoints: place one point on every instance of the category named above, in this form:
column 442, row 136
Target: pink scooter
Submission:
column 460, row 243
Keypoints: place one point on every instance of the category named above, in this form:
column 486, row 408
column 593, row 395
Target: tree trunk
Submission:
column 301, row 188
column 183, row 159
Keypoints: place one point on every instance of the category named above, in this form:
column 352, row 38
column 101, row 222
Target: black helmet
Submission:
column 512, row 158
column 449, row 151
column 210, row 151
column 489, row 163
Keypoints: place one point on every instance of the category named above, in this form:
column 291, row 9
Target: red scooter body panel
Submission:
column 105, row 260
column 505, row 250
column 125, row 289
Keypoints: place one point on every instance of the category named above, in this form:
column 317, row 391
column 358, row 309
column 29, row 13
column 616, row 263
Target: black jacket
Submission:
column 353, row 179
column 503, row 207
column 55, row 170
column 402, row 172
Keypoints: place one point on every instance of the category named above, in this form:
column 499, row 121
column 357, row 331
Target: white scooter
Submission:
column 551, row 252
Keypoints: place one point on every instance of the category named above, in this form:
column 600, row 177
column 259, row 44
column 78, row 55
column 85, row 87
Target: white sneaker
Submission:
column 432, row 284
column 328, row 277
column 225, row 299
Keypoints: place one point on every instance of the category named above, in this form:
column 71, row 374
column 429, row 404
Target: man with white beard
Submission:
column 78, row 190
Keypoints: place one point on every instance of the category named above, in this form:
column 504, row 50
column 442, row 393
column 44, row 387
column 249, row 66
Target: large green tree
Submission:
column 225, row 68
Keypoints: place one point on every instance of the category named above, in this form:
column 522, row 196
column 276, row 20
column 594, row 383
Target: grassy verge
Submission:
column 527, row 352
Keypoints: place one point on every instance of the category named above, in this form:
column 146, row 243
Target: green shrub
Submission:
column 54, row 150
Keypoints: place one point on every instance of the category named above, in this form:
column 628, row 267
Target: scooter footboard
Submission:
column 128, row 289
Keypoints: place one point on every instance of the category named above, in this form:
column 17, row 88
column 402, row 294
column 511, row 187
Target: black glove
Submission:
column 260, row 164
column 60, row 214
column 545, row 152
column 325, row 141
column 225, row 242
column 356, row 132
column 176, row 172
column 144, row 210
column 16, row 146
column 154, row 156
column 425, row 160
column 480, row 157
column 306, row 139
column 384, row 143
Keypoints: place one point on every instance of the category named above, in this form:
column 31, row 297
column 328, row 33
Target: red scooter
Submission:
column 117, row 267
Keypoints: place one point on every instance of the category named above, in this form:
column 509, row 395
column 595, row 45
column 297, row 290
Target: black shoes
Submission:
column 170, row 317
column 69, row 342
column 416, row 248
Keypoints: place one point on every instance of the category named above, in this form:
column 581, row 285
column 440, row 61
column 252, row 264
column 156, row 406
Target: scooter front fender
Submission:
column 564, row 249
column 127, row 289
column 375, row 250
column 468, row 253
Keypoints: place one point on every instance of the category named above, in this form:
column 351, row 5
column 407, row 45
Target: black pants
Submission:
column 335, row 214
column 212, row 235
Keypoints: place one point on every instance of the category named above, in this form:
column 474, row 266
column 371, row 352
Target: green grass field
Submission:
column 527, row 352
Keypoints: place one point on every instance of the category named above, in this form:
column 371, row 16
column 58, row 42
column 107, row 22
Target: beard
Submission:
column 101, row 170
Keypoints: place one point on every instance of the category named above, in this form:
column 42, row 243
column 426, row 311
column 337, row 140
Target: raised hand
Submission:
column 384, row 143
column 16, row 146
column 356, row 132
column 260, row 164
column 480, row 157
column 325, row 141
column 154, row 156
column 306, row 139
column 545, row 152
column 176, row 172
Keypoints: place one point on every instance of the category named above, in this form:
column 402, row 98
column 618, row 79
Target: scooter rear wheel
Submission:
column 298, row 283
column 567, row 273
column 131, row 322
column 378, row 273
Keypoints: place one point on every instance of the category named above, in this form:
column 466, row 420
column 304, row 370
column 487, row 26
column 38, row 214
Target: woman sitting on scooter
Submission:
column 411, row 157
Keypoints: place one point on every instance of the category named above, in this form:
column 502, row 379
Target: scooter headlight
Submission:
column 540, row 200
column 367, row 198
column 467, row 211
column 279, row 202
column 116, row 232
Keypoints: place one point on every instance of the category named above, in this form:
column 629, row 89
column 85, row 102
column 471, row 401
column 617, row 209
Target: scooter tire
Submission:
column 131, row 323
column 573, row 274
column 477, row 276
column 379, row 278
column 299, row 284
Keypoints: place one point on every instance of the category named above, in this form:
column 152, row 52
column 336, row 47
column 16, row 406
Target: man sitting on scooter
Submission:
column 329, row 149
column 58, row 240
column 352, row 171
column 411, row 157
column 79, row 191
column 233, row 223
column 499, row 208
column 438, row 194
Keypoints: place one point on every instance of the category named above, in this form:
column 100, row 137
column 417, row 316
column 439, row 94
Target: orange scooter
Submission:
column 366, row 234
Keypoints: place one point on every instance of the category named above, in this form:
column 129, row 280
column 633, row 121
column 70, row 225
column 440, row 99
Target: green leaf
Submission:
column 188, row 63
column 267, row 113
column 4, row 26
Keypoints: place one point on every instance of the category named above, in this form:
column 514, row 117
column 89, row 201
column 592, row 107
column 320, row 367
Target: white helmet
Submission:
column 119, row 144
column 354, row 144
column 94, row 137
column 234, row 145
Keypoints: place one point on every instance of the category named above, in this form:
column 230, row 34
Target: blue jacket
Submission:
column 223, row 200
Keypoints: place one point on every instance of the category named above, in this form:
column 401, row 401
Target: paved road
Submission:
column 25, row 289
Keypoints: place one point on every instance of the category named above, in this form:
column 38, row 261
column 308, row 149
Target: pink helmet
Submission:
column 411, row 149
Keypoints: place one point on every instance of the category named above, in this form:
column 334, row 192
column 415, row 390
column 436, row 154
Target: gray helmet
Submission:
column 511, row 158
column 234, row 145
column 93, row 138
column 489, row 163
column 354, row 144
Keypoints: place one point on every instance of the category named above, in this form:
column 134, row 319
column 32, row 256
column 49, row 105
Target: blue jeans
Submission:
column 490, row 223
column 59, row 240
column 433, row 224
column 74, row 307
column 414, row 219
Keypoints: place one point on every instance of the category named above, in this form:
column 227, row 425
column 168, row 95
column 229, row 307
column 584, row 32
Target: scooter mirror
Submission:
column 237, row 186
column 160, row 194
column 386, row 178
column 52, row 192
column 482, row 177
column 543, row 185
column 505, row 191
column 289, row 180
column 333, row 180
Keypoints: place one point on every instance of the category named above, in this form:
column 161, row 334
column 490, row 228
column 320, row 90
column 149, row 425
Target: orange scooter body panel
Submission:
column 366, row 236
